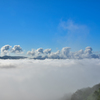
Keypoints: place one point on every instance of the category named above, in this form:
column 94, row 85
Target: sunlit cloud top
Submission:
column 41, row 53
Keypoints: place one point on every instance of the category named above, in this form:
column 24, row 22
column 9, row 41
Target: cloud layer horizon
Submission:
column 65, row 53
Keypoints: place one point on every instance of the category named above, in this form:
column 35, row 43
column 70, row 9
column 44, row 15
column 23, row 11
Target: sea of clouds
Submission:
column 49, row 79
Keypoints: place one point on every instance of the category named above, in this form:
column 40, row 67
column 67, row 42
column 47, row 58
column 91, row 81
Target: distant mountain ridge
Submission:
column 13, row 57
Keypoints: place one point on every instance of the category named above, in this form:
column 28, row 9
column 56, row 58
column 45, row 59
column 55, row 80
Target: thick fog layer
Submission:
column 46, row 79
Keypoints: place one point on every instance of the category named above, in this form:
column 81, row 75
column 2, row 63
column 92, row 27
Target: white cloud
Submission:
column 54, row 55
column 74, row 28
column 47, row 51
column 65, row 53
column 16, row 49
column 36, row 53
column 32, row 53
column 40, row 50
column 71, row 33
column 4, row 49
column 78, row 54
column 88, row 50
column 46, row 79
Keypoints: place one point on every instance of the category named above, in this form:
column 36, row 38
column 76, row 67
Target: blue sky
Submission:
column 50, row 24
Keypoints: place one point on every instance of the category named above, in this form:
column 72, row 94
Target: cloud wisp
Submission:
column 74, row 28
column 46, row 79
column 72, row 33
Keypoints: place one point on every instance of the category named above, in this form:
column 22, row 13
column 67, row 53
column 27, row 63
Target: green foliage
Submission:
column 87, row 93
column 91, row 97
column 97, row 94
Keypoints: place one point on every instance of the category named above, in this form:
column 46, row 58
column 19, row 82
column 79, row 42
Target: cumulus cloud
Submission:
column 47, row 51
column 65, row 53
column 78, row 54
column 86, row 54
column 7, row 49
column 40, row 50
column 4, row 49
column 54, row 55
column 88, row 50
column 32, row 53
column 37, row 52
column 16, row 49
column 46, row 79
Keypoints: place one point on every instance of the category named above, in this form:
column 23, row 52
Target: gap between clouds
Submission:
column 65, row 53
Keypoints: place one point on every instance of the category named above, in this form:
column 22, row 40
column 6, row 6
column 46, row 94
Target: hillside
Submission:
column 87, row 93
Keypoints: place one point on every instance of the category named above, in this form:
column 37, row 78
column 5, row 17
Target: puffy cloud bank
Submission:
column 65, row 53
column 6, row 49
column 46, row 79
column 16, row 49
